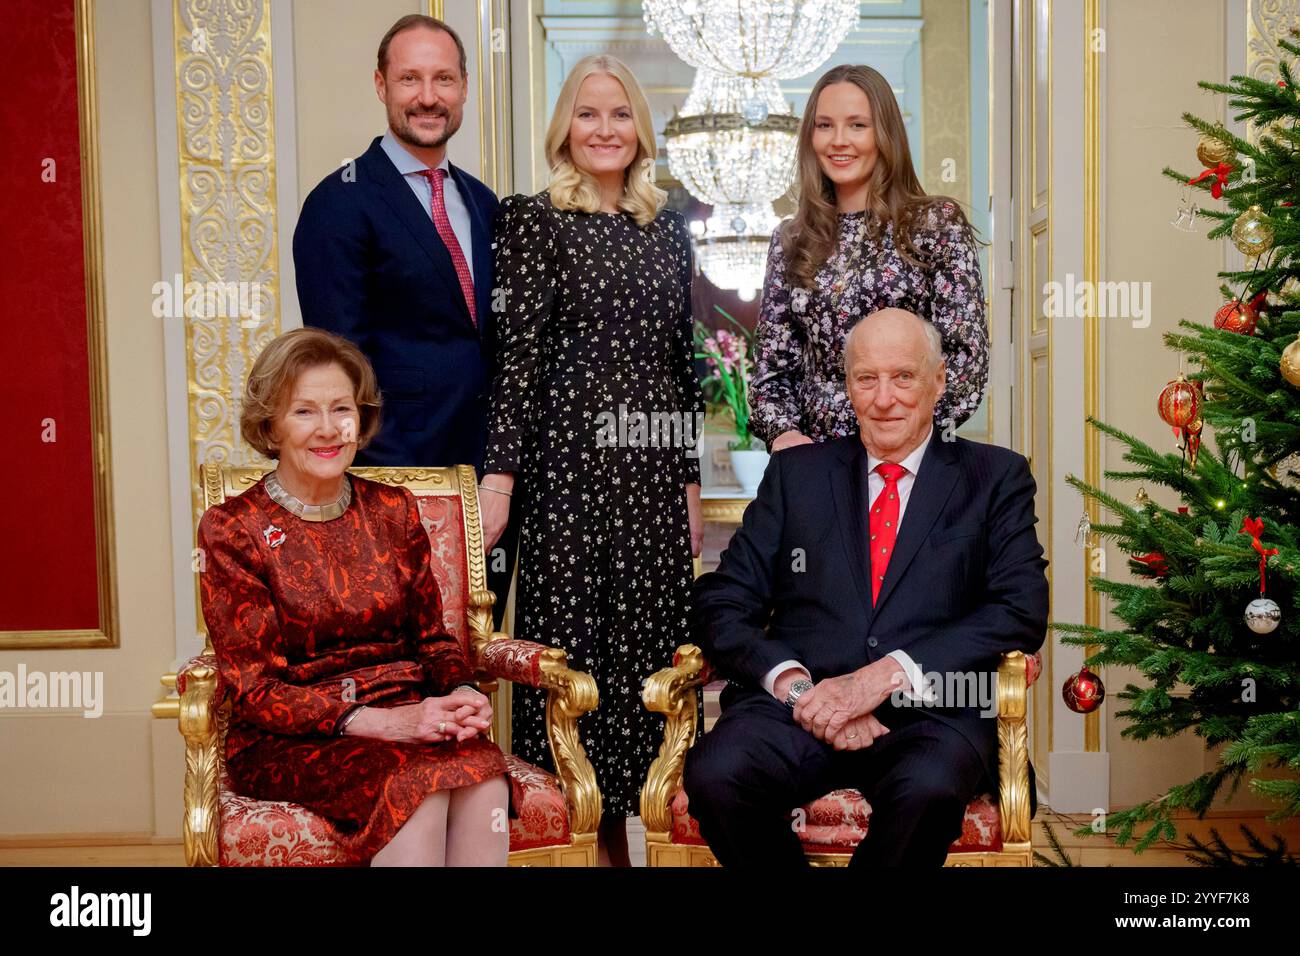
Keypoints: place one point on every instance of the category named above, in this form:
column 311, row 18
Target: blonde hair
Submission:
column 571, row 188
column 285, row 358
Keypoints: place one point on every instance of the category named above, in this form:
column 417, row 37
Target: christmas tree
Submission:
column 1212, row 621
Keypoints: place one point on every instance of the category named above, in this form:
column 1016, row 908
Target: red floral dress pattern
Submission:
column 310, row 620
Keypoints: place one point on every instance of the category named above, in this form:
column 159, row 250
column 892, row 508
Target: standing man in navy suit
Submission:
column 394, row 252
column 859, row 615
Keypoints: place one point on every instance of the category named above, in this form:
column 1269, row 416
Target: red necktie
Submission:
column 443, row 224
column 884, row 525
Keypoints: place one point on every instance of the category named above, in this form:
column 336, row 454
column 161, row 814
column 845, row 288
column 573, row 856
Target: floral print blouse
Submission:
column 799, row 343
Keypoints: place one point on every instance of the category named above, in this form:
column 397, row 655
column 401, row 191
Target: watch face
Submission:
column 799, row 687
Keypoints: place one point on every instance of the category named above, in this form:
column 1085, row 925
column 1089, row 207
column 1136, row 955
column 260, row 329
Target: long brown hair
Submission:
column 894, row 193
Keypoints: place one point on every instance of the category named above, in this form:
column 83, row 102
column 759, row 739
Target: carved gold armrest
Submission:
column 569, row 695
column 1013, row 748
column 671, row 692
column 202, row 723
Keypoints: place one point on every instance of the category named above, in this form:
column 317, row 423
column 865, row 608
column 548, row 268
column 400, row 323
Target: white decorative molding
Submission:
column 176, row 383
column 286, row 158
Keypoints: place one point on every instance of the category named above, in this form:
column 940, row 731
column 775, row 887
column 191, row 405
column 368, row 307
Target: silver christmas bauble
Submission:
column 1263, row 615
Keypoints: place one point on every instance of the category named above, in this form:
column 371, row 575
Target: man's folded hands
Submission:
column 839, row 710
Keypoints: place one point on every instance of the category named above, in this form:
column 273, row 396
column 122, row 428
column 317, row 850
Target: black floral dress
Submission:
column 596, row 334
column 799, row 350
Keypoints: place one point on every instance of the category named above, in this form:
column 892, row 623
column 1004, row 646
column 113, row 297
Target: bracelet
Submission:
column 497, row 491
column 343, row 724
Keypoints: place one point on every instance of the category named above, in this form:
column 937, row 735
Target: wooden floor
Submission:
column 1082, row 851
column 169, row 854
column 1098, row 850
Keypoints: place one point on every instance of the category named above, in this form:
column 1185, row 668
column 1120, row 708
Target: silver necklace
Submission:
column 294, row 505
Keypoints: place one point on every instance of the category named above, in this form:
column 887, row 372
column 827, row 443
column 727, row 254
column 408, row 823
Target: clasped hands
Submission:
column 458, row 716
column 839, row 710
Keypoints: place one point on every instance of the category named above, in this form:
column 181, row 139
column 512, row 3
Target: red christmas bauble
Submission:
column 1237, row 316
column 1083, row 692
column 1179, row 403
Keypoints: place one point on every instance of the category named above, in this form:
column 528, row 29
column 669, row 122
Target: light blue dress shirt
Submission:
column 457, row 211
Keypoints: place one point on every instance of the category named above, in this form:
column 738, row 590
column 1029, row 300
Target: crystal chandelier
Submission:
column 733, row 142
column 731, row 247
column 752, row 38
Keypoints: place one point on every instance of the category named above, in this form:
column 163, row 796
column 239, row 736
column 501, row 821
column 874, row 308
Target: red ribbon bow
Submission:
column 1154, row 562
column 1220, row 174
column 1255, row 528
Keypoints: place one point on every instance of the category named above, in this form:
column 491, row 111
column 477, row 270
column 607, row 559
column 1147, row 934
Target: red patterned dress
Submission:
column 312, row 619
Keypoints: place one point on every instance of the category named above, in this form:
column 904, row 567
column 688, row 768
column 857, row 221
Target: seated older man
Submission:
column 862, row 564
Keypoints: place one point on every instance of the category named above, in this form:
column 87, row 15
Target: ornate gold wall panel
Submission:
column 1266, row 21
column 226, row 141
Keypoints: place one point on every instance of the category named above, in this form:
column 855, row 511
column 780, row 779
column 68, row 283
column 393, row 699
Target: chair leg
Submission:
column 203, row 730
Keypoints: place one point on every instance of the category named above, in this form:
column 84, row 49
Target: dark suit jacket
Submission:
column 965, row 583
column 372, row 267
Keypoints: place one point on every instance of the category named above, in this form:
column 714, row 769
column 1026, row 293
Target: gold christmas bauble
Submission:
column 1290, row 363
column 1211, row 151
column 1252, row 233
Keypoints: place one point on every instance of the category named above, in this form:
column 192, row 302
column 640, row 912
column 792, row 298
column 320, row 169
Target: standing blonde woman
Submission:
column 595, row 277
column 865, row 237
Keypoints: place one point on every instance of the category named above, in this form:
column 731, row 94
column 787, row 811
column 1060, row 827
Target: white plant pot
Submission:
column 749, row 467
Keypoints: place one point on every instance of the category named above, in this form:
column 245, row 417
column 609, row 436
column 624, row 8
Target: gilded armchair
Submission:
column 995, row 831
column 557, row 814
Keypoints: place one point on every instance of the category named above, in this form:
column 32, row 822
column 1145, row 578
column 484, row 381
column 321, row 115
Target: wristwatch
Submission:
column 797, row 690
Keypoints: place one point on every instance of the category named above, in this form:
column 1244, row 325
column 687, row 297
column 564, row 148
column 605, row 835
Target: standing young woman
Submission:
column 865, row 237
column 595, row 278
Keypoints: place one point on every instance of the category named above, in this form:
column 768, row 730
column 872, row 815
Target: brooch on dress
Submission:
column 274, row 536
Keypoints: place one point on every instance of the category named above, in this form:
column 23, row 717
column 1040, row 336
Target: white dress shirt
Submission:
column 875, row 485
column 457, row 211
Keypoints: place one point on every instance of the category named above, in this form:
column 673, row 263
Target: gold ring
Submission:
column 442, row 727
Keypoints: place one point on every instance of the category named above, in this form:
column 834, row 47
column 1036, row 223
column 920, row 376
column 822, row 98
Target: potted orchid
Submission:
column 729, row 354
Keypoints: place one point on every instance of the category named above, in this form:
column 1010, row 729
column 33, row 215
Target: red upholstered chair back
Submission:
column 445, row 496
column 445, row 524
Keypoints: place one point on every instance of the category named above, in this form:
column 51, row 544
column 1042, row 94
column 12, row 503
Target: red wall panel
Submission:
column 48, row 577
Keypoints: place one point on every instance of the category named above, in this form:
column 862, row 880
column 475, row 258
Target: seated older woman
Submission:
column 349, row 696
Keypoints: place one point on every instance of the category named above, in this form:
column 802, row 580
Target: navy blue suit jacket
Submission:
column 372, row 267
column 965, row 583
